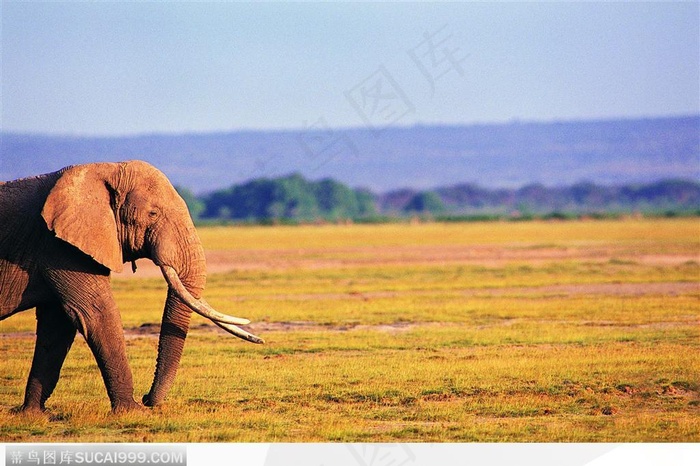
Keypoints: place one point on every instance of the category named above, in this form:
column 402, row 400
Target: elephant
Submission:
column 61, row 236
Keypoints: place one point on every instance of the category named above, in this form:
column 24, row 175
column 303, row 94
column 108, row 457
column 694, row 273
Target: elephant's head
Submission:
column 120, row 212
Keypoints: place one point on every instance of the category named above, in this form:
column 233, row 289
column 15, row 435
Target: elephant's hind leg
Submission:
column 54, row 336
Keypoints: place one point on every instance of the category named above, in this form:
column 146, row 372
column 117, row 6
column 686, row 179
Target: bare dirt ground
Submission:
column 488, row 256
column 229, row 261
column 615, row 289
column 481, row 255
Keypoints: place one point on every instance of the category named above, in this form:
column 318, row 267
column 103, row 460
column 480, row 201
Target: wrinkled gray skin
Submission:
column 60, row 236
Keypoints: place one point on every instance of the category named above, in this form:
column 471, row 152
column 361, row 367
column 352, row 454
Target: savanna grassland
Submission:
column 573, row 331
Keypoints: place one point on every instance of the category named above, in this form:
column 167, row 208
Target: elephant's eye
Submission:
column 153, row 214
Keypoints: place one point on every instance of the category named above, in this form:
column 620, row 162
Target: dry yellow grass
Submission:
column 534, row 331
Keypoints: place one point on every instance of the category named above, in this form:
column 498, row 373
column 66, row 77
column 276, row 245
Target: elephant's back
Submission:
column 21, row 202
column 25, row 191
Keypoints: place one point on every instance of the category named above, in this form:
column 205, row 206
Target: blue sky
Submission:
column 133, row 68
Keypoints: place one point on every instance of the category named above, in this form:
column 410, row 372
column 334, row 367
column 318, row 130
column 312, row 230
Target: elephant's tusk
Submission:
column 200, row 306
column 240, row 333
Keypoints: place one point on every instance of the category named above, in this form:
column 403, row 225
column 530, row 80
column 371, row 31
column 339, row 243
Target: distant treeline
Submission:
column 286, row 198
column 295, row 199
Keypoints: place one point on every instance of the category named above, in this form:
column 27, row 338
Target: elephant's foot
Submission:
column 30, row 409
column 40, row 412
column 127, row 406
column 146, row 400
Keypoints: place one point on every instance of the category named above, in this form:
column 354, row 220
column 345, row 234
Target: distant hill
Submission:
column 614, row 152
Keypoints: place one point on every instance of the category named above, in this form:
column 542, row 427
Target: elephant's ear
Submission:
column 79, row 210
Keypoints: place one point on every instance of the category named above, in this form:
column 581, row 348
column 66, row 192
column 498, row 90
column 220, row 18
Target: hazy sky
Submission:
column 126, row 68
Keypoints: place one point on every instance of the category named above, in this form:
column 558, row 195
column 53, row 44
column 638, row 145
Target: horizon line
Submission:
column 510, row 122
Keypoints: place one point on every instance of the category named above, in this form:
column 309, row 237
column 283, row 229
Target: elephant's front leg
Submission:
column 54, row 336
column 105, row 337
column 88, row 301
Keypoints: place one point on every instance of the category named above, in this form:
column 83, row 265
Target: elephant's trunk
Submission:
column 185, row 285
column 173, row 331
column 184, row 254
